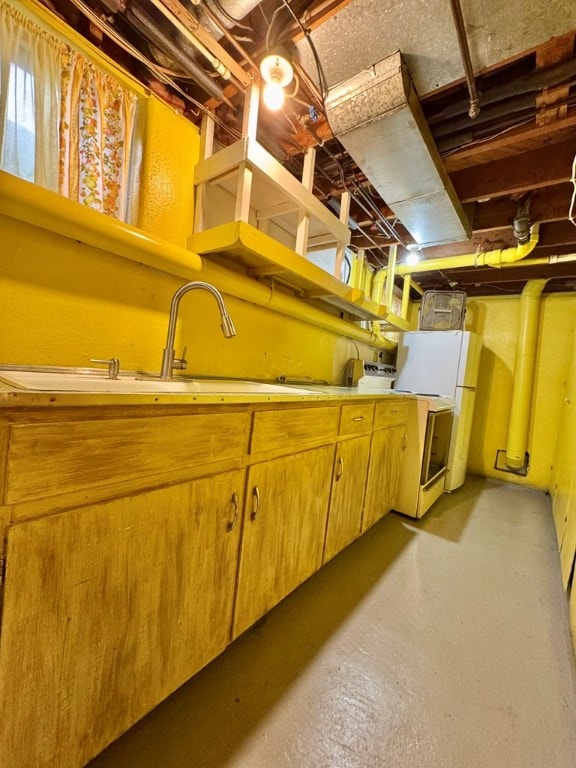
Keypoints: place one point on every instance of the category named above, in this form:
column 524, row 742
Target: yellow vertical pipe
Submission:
column 357, row 270
column 367, row 281
column 524, row 374
column 377, row 295
column 390, row 273
column 378, row 286
column 405, row 296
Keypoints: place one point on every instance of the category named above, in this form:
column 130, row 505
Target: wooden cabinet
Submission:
column 139, row 541
column 564, row 478
column 347, row 497
column 386, row 456
column 286, row 509
column 107, row 610
column 349, row 477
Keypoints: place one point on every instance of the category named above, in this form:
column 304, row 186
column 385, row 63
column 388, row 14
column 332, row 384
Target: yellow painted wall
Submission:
column 63, row 302
column 171, row 150
column 496, row 320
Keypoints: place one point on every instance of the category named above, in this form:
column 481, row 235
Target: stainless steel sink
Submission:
column 50, row 381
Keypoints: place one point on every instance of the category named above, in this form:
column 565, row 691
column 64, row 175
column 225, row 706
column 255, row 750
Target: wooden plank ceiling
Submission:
column 519, row 151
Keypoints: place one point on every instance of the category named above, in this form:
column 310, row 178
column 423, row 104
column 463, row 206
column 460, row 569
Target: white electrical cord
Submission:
column 572, row 211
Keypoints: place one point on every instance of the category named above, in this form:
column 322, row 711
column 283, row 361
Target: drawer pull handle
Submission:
column 358, row 418
column 404, row 442
column 340, row 470
column 255, row 503
column 231, row 524
column 394, row 411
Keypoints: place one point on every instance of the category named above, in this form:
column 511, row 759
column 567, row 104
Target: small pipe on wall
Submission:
column 524, row 374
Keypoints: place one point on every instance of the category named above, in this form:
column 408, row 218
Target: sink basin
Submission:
column 86, row 382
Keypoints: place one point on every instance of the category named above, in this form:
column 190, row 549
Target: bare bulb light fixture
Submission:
column 414, row 254
column 277, row 73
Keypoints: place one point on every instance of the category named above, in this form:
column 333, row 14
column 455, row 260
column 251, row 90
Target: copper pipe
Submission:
column 474, row 108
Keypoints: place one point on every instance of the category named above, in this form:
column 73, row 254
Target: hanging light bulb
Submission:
column 414, row 253
column 277, row 72
column 273, row 95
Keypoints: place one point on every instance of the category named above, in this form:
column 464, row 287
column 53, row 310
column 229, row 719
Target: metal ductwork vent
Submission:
column 377, row 117
column 229, row 12
column 442, row 311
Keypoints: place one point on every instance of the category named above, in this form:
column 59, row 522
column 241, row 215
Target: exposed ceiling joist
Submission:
column 550, row 204
column 522, row 144
column 516, row 175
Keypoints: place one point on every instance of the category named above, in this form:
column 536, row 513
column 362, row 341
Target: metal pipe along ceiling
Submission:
column 146, row 25
column 474, row 109
column 229, row 13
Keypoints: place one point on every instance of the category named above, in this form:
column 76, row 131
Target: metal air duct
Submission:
column 229, row 12
column 377, row 117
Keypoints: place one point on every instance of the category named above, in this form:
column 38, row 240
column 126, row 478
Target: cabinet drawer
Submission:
column 292, row 427
column 390, row 414
column 356, row 419
column 51, row 459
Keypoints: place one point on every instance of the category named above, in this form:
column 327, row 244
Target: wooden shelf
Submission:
column 392, row 322
column 241, row 191
column 265, row 257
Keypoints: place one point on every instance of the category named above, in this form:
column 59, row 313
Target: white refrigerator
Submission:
column 444, row 363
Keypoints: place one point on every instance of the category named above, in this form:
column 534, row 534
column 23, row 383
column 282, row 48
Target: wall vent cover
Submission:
column 442, row 311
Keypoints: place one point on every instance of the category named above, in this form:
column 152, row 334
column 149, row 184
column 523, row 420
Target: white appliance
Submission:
column 426, row 454
column 444, row 363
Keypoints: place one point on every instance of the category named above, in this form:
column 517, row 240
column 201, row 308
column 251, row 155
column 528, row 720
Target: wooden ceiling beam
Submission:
column 550, row 204
column 509, row 274
column 522, row 139
column 556, row 237
column 516, row 175
column 319, row 14
column 554, row 51
column 558, row 233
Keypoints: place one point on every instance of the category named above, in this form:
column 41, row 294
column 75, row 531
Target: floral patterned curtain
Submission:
column 96, row 126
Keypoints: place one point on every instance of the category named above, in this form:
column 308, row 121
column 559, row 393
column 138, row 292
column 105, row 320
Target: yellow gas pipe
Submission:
column 377, row 292
column 38, row 206
column 247, row 289
column 524, row 374
column 496, row 258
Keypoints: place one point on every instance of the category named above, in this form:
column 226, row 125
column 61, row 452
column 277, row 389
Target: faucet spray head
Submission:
column 227, row 326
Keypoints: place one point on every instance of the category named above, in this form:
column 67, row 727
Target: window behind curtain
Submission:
column 79, row 145
column 30, row 65
column 19, row 138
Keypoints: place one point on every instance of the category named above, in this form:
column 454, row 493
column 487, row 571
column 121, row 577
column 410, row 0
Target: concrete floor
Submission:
column 441, row 643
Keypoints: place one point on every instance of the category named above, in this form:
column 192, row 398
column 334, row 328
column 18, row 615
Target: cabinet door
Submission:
column 283, row 538
column 107, row 610
column 386, row 456
column 564, row 476
column 347, row 498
